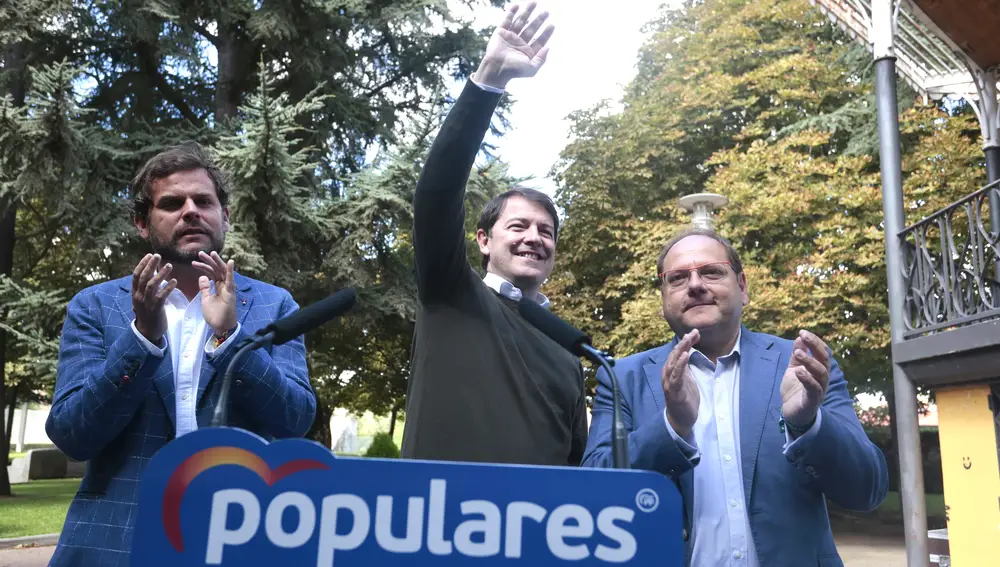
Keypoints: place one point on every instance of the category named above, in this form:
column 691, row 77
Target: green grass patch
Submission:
column 38, row 507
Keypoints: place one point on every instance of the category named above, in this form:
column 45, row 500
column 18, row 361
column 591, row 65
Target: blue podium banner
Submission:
column 223, row 496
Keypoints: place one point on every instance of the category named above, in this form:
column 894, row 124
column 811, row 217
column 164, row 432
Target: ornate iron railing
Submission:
column 951, row 262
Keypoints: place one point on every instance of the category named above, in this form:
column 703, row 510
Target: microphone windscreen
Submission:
column 566, row 335
column 308, row 318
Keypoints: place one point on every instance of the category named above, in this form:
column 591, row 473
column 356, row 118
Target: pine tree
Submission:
column 63, row 217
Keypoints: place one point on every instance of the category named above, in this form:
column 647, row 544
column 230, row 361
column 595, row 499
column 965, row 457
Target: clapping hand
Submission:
column 803, row 387
column 218, row 308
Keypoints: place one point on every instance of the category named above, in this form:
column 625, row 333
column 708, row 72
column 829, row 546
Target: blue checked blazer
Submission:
column 114, row 406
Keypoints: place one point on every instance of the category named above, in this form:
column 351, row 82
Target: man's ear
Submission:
column 744, row 290
column 225, row 219
column 483, row 239
column 143, row 226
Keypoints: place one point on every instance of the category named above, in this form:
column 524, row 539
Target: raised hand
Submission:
column 148, row 297
column 516, row 48
column 803, row 386
column 680, row 391
column 219, row 308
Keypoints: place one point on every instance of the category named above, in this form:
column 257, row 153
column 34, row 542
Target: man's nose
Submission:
column 532, row 235
column 696, row 285
column 190, row 209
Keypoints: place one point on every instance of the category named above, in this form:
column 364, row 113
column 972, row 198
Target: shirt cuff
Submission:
column 153, row 349
column 805, row 438
column 488, row 88
column 213, row 351
column 688, row 447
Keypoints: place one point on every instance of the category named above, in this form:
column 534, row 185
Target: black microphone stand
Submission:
column 619, row 437
column 221, row 416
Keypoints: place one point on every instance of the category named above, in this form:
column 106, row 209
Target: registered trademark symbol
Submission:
column 647, row 500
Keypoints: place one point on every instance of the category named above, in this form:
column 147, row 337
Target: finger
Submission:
column 688, row 341
column 508, row 19
column 137, row 273
column 147, row 272
column 219, row 262
column 539, row 42
column 817, row 347
column 677, row 372
column 522, row 18
column 812, row 387
column 214, row 261
column 204, row 286
column 167, row 290
column 814, row 367
column 206, row 269
column 156, row 280
column 533, row 26
column 230, row 275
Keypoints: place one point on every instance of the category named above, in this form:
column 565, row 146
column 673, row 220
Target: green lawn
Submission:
column 887, row 518
column 38, row 507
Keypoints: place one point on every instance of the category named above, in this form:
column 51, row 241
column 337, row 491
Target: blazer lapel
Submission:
column 758, row 377
column 163, row 373
column 652, row 371
column 244, row 300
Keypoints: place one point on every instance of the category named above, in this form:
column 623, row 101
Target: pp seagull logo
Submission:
column 206, row 459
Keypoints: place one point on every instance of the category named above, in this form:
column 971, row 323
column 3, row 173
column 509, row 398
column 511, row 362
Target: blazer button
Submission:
column 684, row 534
column 239, row 383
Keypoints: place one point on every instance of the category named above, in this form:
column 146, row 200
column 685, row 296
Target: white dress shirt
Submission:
column 509, row 290
column 720, row 528
column 189, row 340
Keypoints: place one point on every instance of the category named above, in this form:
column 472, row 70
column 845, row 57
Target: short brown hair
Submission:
column 731, row 254
column 492, row 211
column 184, row 157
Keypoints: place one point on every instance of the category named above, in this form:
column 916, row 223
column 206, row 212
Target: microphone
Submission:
column 280, row 332
column 577, row 342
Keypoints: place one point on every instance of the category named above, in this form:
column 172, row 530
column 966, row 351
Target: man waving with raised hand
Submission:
column 486, row 386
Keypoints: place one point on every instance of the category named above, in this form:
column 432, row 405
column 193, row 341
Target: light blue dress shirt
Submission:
column 720, row 528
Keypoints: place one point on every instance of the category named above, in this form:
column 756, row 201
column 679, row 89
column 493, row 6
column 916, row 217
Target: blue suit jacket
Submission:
column 785, row 496
column 114, row 406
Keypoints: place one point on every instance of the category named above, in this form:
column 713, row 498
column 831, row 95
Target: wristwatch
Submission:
column 796, row 431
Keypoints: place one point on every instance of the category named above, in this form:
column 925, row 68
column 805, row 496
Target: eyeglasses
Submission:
column 710, row 272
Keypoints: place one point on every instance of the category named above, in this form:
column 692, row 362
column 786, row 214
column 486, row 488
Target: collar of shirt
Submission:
column 508, row 290
column 698, row 358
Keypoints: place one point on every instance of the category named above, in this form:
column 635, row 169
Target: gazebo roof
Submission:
column 939, row 45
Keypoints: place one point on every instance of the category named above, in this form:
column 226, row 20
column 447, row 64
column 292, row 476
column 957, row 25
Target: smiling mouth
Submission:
column 690, row 307
column 529, row 255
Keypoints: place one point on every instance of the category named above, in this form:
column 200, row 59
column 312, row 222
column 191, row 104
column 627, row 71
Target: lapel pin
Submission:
column 244, row 301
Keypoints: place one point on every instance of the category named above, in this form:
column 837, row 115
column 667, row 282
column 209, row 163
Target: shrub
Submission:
column 382, row 447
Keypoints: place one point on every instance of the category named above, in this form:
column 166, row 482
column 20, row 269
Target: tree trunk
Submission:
column 320, row 430
column 226, row 91
column 12, row 402
column 14, row 59
column 392, row 421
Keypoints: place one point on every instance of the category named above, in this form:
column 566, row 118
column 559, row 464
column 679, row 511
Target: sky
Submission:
column 592, row 57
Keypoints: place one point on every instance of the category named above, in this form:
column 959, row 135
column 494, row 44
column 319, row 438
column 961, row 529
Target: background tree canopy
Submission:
column 322, row 112
column 771, row 106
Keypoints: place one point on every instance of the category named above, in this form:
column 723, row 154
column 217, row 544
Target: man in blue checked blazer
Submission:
column 757, row 431
column 141, row 358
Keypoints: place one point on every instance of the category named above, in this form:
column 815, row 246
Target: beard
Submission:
column 170, row 251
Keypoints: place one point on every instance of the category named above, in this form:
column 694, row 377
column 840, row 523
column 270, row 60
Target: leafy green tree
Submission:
column 771, row 106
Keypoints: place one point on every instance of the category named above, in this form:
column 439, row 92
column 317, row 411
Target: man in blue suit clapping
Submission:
column 141, row 358
column 757, row 430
